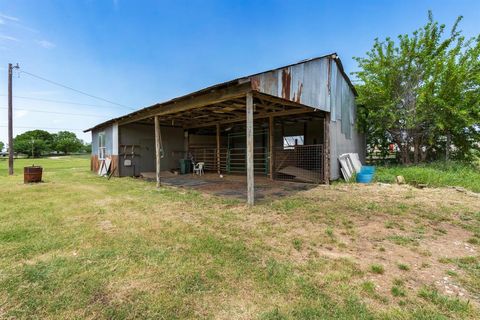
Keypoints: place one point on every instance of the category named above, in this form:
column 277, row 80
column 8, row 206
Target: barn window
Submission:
column 101, row 146
column 289, row 142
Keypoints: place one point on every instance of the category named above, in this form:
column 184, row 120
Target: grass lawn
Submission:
column 81, row 246
column 439, row 174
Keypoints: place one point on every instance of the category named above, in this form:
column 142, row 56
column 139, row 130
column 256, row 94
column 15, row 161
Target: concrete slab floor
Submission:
column 231, row 186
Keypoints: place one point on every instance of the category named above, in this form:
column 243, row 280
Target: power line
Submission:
column 58, row 101
column 55, row 112
column 45, row 128
column 73, row 89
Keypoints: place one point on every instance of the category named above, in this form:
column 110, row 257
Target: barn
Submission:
column 290, row 123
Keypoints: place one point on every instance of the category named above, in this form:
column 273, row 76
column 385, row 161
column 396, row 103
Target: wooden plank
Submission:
column 250, row 168
column 271, row 141
column 157, row 150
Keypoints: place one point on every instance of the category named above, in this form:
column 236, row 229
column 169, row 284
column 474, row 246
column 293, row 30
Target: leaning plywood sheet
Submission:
column 346, row 166
column 357, row 165
column 100, row 167
column 301, row 174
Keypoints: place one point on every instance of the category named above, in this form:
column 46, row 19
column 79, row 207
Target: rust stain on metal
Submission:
column 298, row 95
column 286, row 83
column 255, row 83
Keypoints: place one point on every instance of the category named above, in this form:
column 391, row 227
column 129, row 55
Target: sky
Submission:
column 139, row 52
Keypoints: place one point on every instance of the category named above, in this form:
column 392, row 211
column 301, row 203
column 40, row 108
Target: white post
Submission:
column 250, row 144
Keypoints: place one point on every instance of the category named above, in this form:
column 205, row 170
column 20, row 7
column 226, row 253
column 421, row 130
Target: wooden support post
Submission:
column 250, row 168
column 157, row 150
column 271, row 139
column 218, row 148
column 326, row 148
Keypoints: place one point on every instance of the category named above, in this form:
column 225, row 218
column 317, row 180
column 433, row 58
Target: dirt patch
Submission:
column 408, row 231
column 106, row 225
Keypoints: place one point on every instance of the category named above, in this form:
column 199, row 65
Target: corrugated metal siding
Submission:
column 108, row 141
column 305, row 83
column 319, row 84
column 143, row 136
column 339, row 144
column 342, row 103
column 344, row 137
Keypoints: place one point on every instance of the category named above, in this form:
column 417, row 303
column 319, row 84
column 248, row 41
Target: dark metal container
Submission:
column 32, row 174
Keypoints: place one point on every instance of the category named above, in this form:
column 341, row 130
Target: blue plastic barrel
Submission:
column 368, row 169
column 363, row 177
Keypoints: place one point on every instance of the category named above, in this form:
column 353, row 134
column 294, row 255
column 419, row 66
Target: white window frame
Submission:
column 101, row 146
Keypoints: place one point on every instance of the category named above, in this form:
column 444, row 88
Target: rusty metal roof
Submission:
column 260, row 81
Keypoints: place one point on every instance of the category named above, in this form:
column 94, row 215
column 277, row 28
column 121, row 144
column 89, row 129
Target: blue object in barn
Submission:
column 363, row 177
column 185, row 166
column 368, row 169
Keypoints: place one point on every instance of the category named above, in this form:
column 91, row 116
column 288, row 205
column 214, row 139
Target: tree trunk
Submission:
column 404, row 153
column 416, row 151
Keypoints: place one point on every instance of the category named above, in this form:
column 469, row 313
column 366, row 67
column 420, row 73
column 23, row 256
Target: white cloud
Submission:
column 5, row 37
column 14, row 22
column 11, row 18
column 46, row 44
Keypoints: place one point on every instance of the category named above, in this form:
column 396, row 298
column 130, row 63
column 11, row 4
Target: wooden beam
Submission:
column 255, row 117
column 250, row 168
column 157, row 150
column 218, row 148
column 271, row 139
column 189, row 102
column 278, row 100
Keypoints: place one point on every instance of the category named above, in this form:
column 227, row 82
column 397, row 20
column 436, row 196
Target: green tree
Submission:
column 2, row 145
column 457, row 99
column 33, row 143
column 421, row 91
column 67, row 142
column 87, row 147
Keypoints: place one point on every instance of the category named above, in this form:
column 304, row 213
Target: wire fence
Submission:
column 300, row 163
column 297, row 163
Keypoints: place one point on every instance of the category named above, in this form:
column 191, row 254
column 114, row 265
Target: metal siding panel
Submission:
column 340, row 145
column 338, row 93
column 143, row 136
column 312, row 85
column 305, row 83
column 94, row 142
column 323, row 89
column 333, row 91
column 334, row 166
column 297, row 82
column 115, row 139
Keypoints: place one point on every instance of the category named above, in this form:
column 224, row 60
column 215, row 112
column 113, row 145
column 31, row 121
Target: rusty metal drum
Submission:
column 32, row 174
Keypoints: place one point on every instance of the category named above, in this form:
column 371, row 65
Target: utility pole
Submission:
column 10, row 118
